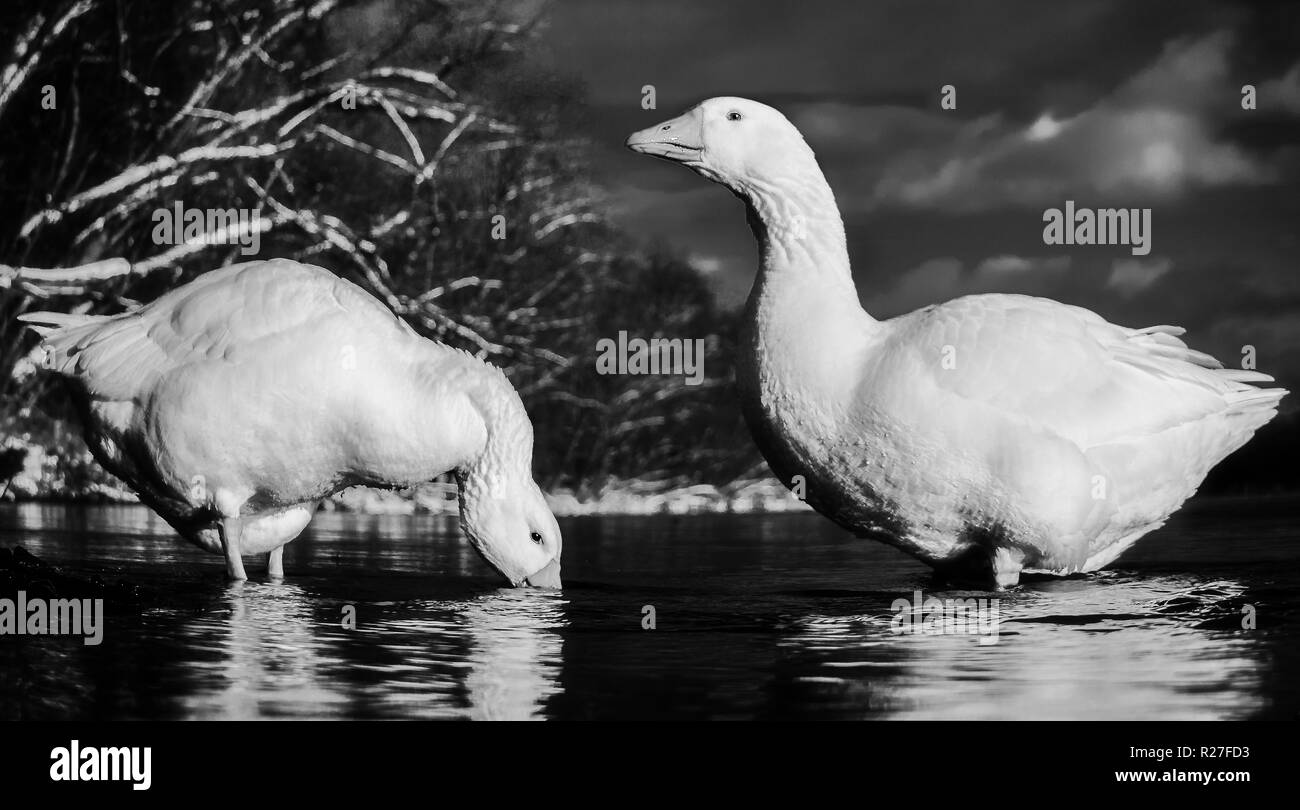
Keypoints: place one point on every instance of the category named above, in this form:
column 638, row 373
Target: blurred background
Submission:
column 466, row 111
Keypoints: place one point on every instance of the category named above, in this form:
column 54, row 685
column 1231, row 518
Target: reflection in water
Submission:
column 492, row 655
column 515, row 653
column 1065, row 650
column 257, row 653
column 755, row 617
column 260, row 652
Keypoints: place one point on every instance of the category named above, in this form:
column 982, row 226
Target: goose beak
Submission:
column 548, row 577
column 681, row 139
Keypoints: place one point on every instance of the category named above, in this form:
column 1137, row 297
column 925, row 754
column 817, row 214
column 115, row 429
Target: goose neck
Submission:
column 507, row 452
column 797, row 224
column 803, row 299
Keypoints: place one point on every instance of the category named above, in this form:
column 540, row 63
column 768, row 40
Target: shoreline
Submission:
column 751, row 496
column 38, row 482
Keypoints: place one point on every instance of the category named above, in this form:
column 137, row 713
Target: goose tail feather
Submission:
column 63, row 334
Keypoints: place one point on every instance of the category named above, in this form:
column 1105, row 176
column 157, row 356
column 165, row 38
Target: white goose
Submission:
column 1050, row 441
column 235, row 403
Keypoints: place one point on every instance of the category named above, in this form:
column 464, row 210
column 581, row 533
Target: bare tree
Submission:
column 386, row 140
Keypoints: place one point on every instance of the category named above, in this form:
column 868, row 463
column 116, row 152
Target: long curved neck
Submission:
column 803, row 321
column 794, row 217
column 507, row 453
column 449, row 411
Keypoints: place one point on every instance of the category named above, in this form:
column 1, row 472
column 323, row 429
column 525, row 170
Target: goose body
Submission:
column 986, row 436
column 235, row 403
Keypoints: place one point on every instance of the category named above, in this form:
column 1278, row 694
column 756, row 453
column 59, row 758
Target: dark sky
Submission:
column 1104, row 102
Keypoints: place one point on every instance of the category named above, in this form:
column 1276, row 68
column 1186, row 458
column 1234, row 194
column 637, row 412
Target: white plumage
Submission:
column 989, row 435
column 235, row 403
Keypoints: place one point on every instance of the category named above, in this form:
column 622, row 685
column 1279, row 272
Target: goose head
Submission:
column 732, row 141
column 510, row 525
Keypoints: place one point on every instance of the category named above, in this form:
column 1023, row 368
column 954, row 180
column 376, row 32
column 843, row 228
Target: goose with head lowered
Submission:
column 986, row 436
column 234, row 404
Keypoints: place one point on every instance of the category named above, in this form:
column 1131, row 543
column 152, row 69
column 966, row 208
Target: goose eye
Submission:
column 537, row 537
column 734, row 116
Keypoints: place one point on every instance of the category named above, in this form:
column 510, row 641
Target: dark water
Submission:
column 779, row 616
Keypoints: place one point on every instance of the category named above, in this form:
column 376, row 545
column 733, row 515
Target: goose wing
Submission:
column 226, row 315
column 1069, row 370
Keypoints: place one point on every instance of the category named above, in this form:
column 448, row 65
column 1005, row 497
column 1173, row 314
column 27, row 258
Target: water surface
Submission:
column 756, row 616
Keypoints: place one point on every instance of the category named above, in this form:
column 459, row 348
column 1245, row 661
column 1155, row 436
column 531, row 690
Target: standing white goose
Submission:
column 235, row 403
column 1051, row 440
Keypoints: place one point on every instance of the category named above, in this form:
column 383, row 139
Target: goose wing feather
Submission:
column 226, row 316
column 1069, row 370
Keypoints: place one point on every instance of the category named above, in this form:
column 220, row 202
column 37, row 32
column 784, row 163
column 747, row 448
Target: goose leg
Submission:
column 275, row 563
column 1006, row 566
column 231, row 531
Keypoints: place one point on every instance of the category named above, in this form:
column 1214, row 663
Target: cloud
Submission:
column 1156, row 136
column 1131, row 276
column 1274, row 339
column 1002, row 266
column 706, row 265
column 767, row 48
column 1284, row 92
